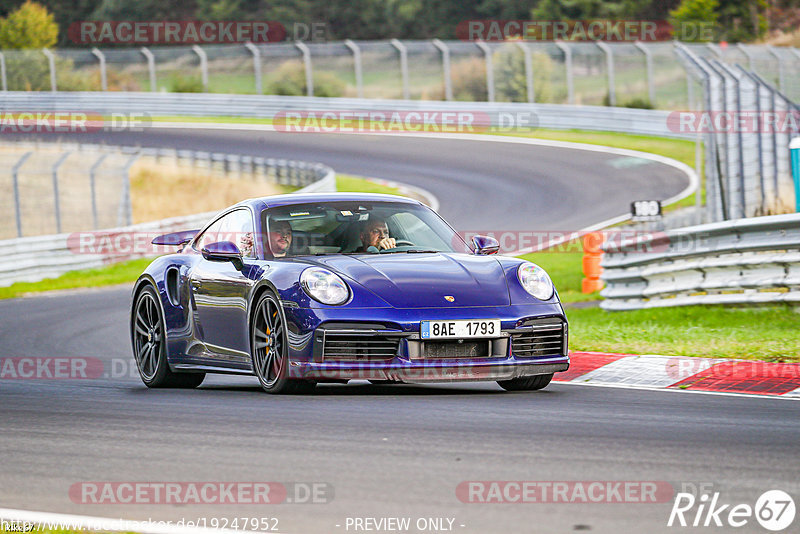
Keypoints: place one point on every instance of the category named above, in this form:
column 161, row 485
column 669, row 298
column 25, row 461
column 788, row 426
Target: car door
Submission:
column 220, row 290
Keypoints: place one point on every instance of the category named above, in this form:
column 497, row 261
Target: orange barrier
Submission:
column 592, row 256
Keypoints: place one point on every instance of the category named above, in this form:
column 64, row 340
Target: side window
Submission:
column 236, row 227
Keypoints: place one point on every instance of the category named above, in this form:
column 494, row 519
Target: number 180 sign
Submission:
column 646, row 210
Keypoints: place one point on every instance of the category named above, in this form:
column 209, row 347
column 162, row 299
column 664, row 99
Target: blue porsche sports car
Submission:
column 308, row 288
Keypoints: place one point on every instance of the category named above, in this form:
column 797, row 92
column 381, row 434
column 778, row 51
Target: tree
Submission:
column 29, row 26
column 694, row 20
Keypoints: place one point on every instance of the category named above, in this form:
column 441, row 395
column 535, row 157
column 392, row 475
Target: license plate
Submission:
column 459, row 329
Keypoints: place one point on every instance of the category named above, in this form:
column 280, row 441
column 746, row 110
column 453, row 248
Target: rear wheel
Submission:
column 269, row 348
column 150, row 346
column 526, row 383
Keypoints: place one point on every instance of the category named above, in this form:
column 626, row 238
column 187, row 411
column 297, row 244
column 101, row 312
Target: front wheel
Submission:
column 150, row 345
column 526, row 383
column 269, row 348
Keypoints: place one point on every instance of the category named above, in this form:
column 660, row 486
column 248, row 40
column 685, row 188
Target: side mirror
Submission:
column 485, row 245
column 223, row 251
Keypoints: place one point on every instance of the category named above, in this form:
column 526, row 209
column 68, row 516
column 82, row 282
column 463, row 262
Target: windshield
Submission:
column 357, row 228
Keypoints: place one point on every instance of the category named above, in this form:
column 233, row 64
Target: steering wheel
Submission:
column 403, row 242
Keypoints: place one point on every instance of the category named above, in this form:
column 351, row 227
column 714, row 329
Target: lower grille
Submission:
column 454, row 349
column 359, row 348
column 545, row 337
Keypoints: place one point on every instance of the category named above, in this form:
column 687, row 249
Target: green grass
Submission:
column 353, row 184
column 768, row 333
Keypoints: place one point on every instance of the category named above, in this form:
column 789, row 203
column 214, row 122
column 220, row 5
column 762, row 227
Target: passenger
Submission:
column 280, row 238
column 375, row 236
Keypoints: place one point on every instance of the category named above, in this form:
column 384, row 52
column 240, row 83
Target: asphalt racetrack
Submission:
column 383, row 451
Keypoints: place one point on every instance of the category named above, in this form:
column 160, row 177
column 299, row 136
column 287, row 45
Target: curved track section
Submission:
column 387, row 451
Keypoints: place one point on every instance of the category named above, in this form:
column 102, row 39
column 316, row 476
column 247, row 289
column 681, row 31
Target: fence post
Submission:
column 151, row 66
column 714, row 50
column 401, row 48
column 747, row 54
column 448, row 82
column 487, row 53
column 777, row 56
column 203, row 66
column 648, row 60
column 56, row 197
column 612, row 90
column 739, row 138
column 564, row 47
column 528, row 71
column 125, row 212
column 93, row 191
column 256, row 66
column 15, row 179
column 51, row 60
column 102, row 59
column 357, row 66
column 759, row 133
column 307, row 63
column 3, row 72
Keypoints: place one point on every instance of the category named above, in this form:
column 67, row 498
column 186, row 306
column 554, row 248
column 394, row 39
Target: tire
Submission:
column 148, row 335
column 526, row 383
column 269, row 348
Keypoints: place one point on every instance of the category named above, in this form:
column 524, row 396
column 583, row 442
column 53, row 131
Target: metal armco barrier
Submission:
column 30, row 259
column 501, row 115
column 744, row 261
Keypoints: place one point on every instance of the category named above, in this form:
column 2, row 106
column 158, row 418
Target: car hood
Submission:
column 422, row 280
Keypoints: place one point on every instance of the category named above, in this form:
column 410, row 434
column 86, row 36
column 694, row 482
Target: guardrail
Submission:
column 486, row 114
column 29, row 259
column 744, row 261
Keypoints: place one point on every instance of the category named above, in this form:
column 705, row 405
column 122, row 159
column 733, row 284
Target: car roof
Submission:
column 303, row 198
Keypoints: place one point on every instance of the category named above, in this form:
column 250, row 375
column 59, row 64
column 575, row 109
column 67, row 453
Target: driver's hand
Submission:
column 387, row 243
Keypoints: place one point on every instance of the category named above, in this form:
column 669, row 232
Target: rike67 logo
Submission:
column 774, row 510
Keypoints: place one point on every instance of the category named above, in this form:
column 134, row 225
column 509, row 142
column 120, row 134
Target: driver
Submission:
column 280, row 238
column 375, row 233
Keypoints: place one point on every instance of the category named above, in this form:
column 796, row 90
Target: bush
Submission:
column 511, row 83
column 469, row 80
column 29, row 70
column 186, row 84
column 291, row 81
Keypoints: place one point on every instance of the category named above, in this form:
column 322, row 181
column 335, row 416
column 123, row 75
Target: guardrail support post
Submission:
column 401, row 48
column 203, row 66
column 528, row 71
column 648, row 59
column 151, row 66
column 487, row 54
column 93, row 189
column 51, row 61
column 448, row 82
column 15, row 180
column 592, row 256
column 3, row 78
column 794, row 148
column 357, row 66
column 612, row 90
column 256, row 66
column 564, row 47
column 102, row 59
column 56, row 196
column 307, row 63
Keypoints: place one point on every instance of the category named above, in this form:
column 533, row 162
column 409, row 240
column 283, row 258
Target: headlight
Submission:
column 324, row 286
column 535, row 281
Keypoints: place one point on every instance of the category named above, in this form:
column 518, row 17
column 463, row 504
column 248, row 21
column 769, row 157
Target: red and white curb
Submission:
column 740, row 377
